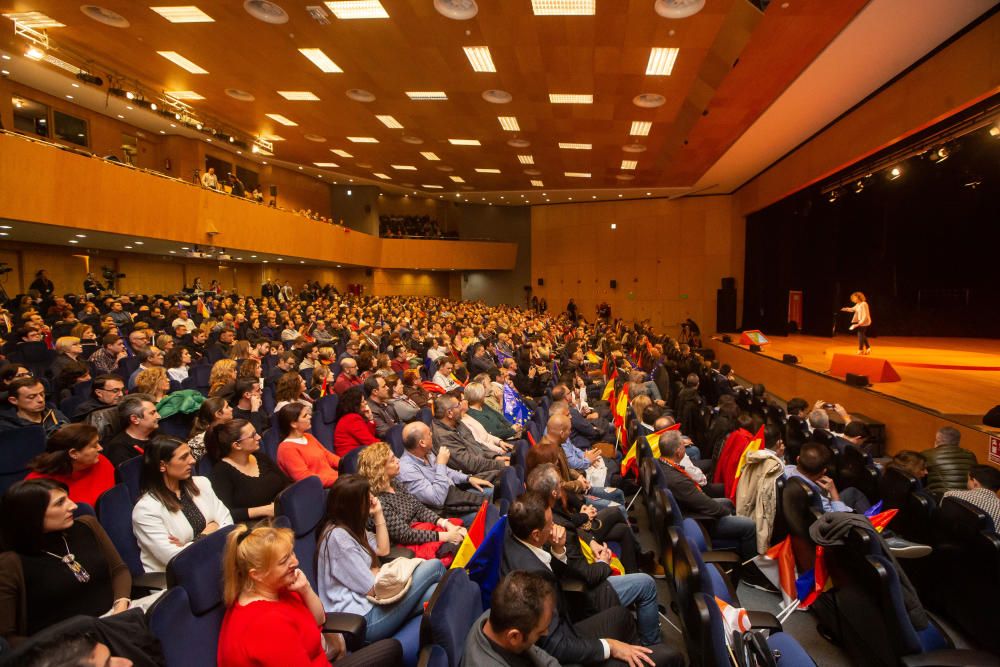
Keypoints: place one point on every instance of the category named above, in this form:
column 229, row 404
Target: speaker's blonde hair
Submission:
column 251, row 549
column 859, row 296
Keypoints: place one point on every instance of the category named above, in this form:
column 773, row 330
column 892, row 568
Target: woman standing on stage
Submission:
column 861, row 321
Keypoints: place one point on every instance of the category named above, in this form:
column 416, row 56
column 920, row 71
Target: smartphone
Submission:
column 828, row 406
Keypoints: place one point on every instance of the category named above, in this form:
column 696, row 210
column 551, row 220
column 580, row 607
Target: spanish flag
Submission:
column 620, row 409
column 472, row 540
column 631, row 464
column 588, row 553
column 755, row 444
column 609, row 389
column 203, row 308
column 590, row 357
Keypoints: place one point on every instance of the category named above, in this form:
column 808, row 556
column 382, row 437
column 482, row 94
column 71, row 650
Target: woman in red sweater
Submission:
column 274, row 616
column 300, row 454
column 355, row 426
column 73, row 457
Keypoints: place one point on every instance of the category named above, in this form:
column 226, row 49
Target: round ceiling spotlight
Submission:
column 266, row 11
column 533, row 172
column 497, row 96
column 678, row 9
column 241, row 95
column 359, row 95
column 408, row 139
column 445, row 168
column 460, row 10
column 624, row 177
column 649, row 100
column 315, row 137
column 518, row 143
column 105, row 16
column 634, row 148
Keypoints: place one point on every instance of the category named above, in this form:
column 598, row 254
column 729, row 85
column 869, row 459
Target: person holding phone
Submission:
column 861, row 320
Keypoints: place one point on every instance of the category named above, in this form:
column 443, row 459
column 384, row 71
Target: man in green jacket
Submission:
column 948, row 464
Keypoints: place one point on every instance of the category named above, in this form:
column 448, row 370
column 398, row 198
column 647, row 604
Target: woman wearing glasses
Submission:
column 245, row 478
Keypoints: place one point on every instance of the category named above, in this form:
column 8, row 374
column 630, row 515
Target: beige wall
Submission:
column 668, row 257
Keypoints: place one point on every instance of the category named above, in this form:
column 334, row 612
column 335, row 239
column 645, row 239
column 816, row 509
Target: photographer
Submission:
column 43, row 285
column 90, row 285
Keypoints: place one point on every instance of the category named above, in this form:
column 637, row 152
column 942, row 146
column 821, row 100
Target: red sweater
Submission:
column 352, row 431
column 303, row 460
column 345, row 382
column 268, row 634
column 729, row 459
column 85, row 486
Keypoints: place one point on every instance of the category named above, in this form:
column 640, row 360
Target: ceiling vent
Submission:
column 518, row 143
column 678, row 9
column 105, row 16
column 649, row 100
column 497, row 96
column 241, row 95
column 266, row 11
column 634, row 148
column 359, row 95
column 460, row 10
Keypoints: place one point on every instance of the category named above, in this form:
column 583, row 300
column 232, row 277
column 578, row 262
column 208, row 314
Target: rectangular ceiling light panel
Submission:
column 480, row 58
column 277, row 117
column 661, row 61
column 184, row 95
column 509, row 123
column 629, row 165
column 426, row 95
column 389, row 121
column 341, row 153
column 183, row 14
column 457, row 179
column 34, row 20
column 298, row 95
column 384, row 177
column 403, row 167
column 358, row 9
column 363, row 140
column 430, row 156
column 577, row 174
column 538, row 184
column 640, row 128
column 526, row 159
column 570, row 98
column 326, row 164
column 182, row 62
column 576, row 147
column 321, row 60
column 464, row 142
column 563, row 7
column 432, row 187
column 487, row 171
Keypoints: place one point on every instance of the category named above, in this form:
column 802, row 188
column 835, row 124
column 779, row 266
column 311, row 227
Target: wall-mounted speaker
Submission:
column 274, row 190
column 541, row 281
column 369, row 272
column 754, row 347
column 789, row 359
column 614, row 284
column 857, row 380
column 729, row 283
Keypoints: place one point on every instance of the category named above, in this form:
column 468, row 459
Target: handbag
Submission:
column 750, row 649
column 394, row 580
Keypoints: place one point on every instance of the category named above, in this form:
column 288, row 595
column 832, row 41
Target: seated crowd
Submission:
column 414, row 415
column 409, row 225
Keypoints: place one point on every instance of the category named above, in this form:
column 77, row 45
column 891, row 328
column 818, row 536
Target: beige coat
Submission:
column 756, row 496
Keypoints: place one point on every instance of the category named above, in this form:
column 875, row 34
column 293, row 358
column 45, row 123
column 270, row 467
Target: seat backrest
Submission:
column 709, row 631
column 349, row 462
column 19, row 447
column 114, row 511
column 509, row 486
column 394, row 437
column 177, row 425
column 129, row 473
column 962, row 521
column 324, row 420
column 268, row 401
column 711, row 580
column 83, row 509
column 307, row 375
column 304, row 504
column 855, row 471
column 269, row 441
column 451, row 613
column 198, row 570
column 82, row 389
column 895, row 487
column 534, row 431
column 171, row 617
column 800, row 507
column 426, row 415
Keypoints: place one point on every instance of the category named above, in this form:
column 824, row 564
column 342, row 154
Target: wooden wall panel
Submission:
column 410, row 283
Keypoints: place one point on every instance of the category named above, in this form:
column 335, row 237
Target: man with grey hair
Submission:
column 467, row 454
column 137, row 412
column 716, row 515
column 149, row 357
column 475, row 393
column 492, row 419
column 948, row 464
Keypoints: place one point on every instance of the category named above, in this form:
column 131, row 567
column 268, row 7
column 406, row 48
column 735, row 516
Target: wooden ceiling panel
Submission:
column 417, row 49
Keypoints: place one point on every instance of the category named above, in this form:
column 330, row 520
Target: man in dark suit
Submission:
column 534, row 544
column 287, row 361
column 480, row 361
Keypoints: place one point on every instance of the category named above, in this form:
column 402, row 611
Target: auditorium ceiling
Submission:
column 720, row 71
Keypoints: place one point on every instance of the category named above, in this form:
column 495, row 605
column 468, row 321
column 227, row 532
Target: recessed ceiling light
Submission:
column 538, row 184
column 357, row 9
column 464, row 142
column 433, row 187
column 563, row 7
column 426, row 95
column 34, row 20
column 81, row 236
column 678, row 9
column 576, row 174
column 526, row 159
column 120, row 116
column 128, row 247
column 173, row 252
column 629, row 164
column 299, row 95
column 321, row 60
column 620, row 195
column 480, row 58
column 457, row 179
column 75, row 85
column 389, row 121
column 430, row 156
column 518, row 143
column 403, row 167
column 182, row 62
column 73, row 241
column 281, row 119
column 661, row 61
column 494, row 96
column 575, row 147
column 649, row 194
column 363, row 140
column 183, row 14
column 649, row 100
column 326, row 164
column 139, row 242
column 487, row 171
column 412, row 140
column 241, row 95
column 570, row 98
column 184, row 95
column 69, row 97
column 640, row 128
column 341, row 153
column 315, row 137
column 509, row 123
column 359, row 95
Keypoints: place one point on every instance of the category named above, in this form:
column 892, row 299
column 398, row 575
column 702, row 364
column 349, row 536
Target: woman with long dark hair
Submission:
column 175, row 508
column 300, row 454
column 73, row 458
column 244, row 477
column 348, row 561
column 355, row 426
column 213, row 411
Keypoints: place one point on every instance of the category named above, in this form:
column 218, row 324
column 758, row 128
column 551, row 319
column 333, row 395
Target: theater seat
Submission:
column 394, row 437
column 799, row 509
column 269, row 441
column 450, row 616
column 324, row 420
column 129, row 474
column 349, row 462
column 509, row 486
column 19, row 447
column 304, row 503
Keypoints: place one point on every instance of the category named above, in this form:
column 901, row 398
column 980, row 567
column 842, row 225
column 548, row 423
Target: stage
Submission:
column 943, row 381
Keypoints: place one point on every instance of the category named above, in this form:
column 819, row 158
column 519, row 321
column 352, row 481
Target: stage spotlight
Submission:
column 895, row 173
column 858, row 187
column 940, row 155
column 130, row 95
column 995, row 130
column 197, row 126
column 90, row 78
column 152, row 106
column 833, row 196
column 232, row 139
column 34, row 53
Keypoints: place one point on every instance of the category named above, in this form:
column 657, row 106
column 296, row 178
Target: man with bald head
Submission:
column 428, row 478
column 348, row 376
column 560, row 427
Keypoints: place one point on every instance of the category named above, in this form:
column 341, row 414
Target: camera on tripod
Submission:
column 110, row 274
column 5, row 268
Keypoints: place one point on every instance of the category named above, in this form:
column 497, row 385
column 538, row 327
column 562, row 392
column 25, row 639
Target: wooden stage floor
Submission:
column 958, row 377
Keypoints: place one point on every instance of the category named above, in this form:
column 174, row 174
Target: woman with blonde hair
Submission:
column 153, row 381
column 860, row 321
column 402, row 511
column 223, row 373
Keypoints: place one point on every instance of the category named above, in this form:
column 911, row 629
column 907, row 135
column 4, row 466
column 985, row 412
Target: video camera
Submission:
column 110, row 274
column 5, row 268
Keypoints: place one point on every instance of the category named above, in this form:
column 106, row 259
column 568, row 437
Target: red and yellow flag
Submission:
column 630, row 464
column 477, row 531
column 588, row 553
column 753, row 446
column 609, row 389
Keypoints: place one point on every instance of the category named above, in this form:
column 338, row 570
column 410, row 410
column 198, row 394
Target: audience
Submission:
column 243, row 477
column 355, row 425
column 26, row 399
column 137, row 412
column 300, row 454
column 213, row 411
column 983, row 485
column 467, row 454
column 948, row 464
column 73, row 458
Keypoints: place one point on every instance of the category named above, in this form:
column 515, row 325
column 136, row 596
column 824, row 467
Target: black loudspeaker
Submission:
column 369, row 272
column 725, row 310
column 729, row 283
column 614, row 284
column 790, row 359
column 274, row 190
column 541, row 281
column 857, row 380
column 754, row 348
column 726, row 338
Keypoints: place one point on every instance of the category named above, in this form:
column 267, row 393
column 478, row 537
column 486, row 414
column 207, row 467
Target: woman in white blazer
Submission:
column 175, row 508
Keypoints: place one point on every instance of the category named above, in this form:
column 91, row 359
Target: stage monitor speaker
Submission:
column 729, row 283
column 541, row 281
column 725, row 310
column 857, row 380
column 875, row 369
column 274, row 190
column 754, row 347
column 614, row 284
column 789, row 359
column 726, row 338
